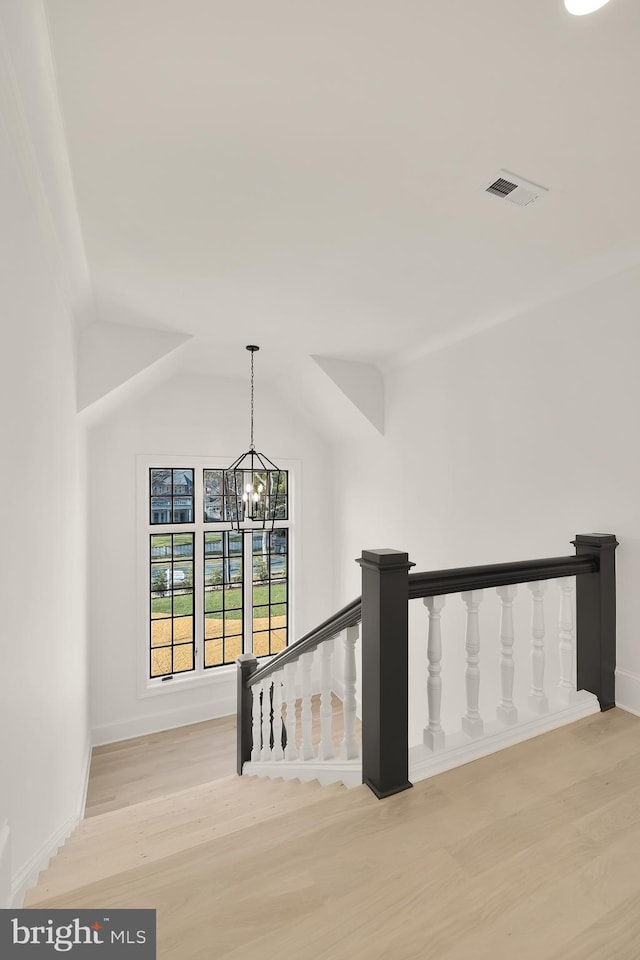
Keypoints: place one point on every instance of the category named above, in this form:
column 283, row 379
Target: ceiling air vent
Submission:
column 515, row 189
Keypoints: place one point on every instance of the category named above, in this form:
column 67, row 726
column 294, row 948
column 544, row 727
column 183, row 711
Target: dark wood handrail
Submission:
column 432, row 583
column 459, row 579
column 346, row 617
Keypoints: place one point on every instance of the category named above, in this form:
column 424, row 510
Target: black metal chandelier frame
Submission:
column 253, row 483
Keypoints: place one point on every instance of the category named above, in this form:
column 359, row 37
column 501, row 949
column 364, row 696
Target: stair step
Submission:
column 153, row 829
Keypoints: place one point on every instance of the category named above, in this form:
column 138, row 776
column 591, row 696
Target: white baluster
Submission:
column 277, row 753
column 537, row 699
column 291, row 750
column 507, row 712
column 265, row 753
column 349, row 746
column 306, row 661
column 566, row 686
column 325, row 750
column 256, row 718
column 472, row 722
column 433, row 734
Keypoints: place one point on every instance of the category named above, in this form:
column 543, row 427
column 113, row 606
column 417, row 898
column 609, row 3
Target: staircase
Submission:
column 103, row 848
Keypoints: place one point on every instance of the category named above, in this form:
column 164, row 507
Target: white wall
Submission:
column 191, row 417
column 43, row 695
column 504, row 446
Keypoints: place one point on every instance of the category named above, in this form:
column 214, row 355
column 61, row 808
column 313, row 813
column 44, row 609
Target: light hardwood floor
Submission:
column 533, row 852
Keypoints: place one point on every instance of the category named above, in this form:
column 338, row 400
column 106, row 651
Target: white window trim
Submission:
column 146, row 686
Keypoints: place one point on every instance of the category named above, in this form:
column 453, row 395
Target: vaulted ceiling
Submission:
column 311, row 176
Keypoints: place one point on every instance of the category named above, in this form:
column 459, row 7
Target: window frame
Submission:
column 200, row 676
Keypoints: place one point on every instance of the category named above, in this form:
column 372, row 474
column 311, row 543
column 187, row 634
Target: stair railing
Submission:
column 262, row 694
column 387, row 586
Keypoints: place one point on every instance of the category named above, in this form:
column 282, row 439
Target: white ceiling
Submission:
column 310, row 176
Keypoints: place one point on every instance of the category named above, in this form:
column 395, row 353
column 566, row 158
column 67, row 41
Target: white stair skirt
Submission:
column 348, row 772
column 460, row 748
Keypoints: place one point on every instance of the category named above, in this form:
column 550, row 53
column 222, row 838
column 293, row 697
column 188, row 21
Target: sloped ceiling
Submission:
column 310, row 177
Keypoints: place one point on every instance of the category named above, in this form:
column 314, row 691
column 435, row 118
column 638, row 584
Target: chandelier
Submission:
column 254, row 487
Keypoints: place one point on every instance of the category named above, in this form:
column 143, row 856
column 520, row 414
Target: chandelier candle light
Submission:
column 254, row 486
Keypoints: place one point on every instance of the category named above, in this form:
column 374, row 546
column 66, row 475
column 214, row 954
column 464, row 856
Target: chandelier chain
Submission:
column 252, row 447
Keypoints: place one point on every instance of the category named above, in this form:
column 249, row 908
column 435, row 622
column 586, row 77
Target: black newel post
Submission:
column 385, row 665
column 247, row 665
column 596, row 618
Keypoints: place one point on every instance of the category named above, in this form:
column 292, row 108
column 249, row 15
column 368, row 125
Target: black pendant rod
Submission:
column 252, row 349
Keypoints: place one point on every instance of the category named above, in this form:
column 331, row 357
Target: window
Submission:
column 213, row 592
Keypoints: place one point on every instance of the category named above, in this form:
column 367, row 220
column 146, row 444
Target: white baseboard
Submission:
column 85, row 786
column 166, row 720
column 27, row 876
column 628, row 691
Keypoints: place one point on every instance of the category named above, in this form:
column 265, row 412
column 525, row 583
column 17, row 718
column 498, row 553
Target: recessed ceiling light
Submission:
column 580, row 7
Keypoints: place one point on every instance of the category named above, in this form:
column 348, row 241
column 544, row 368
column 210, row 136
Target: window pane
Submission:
column 161, row 633
column 213, row 544
column 161, row 482
column 278, row 640
column 232, row 649
column 232, row 507
column 278, row 498
column 278, row 615
column 212, row 600
column 234, row 543
column 278, row 566
column 183, row 509
column 235, row 570
column 182, row 574
column 182, row 604
column 279, row 510
column 260, row 618
column 232, row 598
column 278, row 592
column 160, row 546
column 212, row 653
column 213, row 625
column 279, row 541
column 182, row 546
column 160, row 662
column 261, row 644
column 160, row 607
column 260, row 570
column 183, row 482
column 213, row 483
column 261, row 542
column 183, row 658
column 213, row 571
column 212, row 509
column 233, row 625
column 160, row 578
column 160, row 509
column 182, row 629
